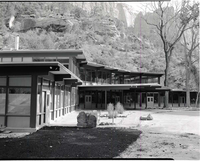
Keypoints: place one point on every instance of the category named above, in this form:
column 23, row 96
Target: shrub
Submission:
column 111, row 111
column 119, row 108
column 112, row 114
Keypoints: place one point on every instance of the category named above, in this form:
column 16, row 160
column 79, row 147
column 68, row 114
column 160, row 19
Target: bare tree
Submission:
column 190, row 44
column 170, row 28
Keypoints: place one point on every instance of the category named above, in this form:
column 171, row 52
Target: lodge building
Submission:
column 37, row 87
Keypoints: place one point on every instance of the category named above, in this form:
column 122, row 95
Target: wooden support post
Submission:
column 90, row 76
column 33, row 111
column 111, row 96
column 158, row 99
column 6, row 101
column 71, row 64
column 101, row 77
column 85, row 75
column 172, row 98
column 101, row 98
column 146, row 100
column 140, row 78
column 122, row 97
column 135, row 99
column 84, row 98
column 105, row 99
column 96, row 74
column 178, row 100
column 70, row 105
column 158, row 80
column 140, row 99
column 53, row 99
column 110, row 78
column 96, row 98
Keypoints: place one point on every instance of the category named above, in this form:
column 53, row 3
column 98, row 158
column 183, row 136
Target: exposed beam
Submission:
column 60, row 77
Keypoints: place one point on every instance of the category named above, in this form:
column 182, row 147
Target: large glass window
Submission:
column 2, row 100
column 19, row 101
column 2, row 81
column 20, row 81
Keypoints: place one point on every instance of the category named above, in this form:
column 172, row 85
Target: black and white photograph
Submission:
column 99, row 80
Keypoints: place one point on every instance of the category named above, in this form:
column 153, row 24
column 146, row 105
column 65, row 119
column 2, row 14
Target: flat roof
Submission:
column 40, row 53
column 55, row 68
column 121, row 86
column 117, row 70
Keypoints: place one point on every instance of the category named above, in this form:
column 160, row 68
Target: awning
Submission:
column 59, row 71
column 120, row 86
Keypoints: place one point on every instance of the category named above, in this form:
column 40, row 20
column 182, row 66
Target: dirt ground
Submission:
column 171, row 134
column 69, row 142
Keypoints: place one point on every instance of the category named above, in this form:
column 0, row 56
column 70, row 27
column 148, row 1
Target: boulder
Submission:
column 92, row 121
column 82, row 119
column 86, row 120
column 149, row 117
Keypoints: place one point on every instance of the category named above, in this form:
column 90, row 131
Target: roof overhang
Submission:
column 59, row 71
column 41, row 53
column 100, row 0
column 95, row 66
column 120, row 86
column 40, row 68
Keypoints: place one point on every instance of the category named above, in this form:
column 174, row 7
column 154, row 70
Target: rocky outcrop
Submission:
column 120, row 11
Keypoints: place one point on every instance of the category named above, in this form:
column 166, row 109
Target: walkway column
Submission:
column 110, row 78
column 84, row 98
column 178, row 100
column 96, row 75
column 105, row 99
column 122, row 97
column 135, row 99
column 110, row 96
column 96, row 99
column 33, row 110
column 158, row 99
column 158, row 80
column 172, row 98
column 140, row 99
column 85, row 75
column 146, row 100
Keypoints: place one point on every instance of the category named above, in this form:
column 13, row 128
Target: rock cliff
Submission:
column 120, row 11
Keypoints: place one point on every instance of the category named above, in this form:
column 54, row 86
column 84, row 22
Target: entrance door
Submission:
column 88, row 101
column 44, row 111
column 150, row 101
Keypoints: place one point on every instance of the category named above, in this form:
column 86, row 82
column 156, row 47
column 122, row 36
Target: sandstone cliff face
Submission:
column 120, row 11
